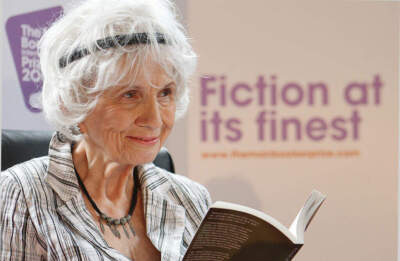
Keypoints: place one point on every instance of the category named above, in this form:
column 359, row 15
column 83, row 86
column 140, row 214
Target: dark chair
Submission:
column 20, row 145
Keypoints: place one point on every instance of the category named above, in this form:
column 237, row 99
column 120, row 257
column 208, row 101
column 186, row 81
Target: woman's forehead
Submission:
column 144, row 79
column 140, row 81
column 147, row 72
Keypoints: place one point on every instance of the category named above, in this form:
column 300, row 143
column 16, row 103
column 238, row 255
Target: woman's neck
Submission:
column 108, row 183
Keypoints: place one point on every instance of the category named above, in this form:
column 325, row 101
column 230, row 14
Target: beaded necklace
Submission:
column 112, row 223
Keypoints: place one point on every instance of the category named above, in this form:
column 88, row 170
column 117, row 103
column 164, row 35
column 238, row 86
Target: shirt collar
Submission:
column 61, row 175
column 62, row 179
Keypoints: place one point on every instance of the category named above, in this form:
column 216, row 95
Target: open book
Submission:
column 238, row 233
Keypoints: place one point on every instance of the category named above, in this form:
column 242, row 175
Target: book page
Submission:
column 230, row 235
column 306, row 214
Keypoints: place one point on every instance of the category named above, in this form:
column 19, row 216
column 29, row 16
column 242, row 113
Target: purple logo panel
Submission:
column 24, row 32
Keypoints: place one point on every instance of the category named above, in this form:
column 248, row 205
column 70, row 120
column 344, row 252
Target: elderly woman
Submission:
column 115, row 79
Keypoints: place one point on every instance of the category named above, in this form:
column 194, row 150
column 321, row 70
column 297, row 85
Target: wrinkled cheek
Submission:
column 168, row 115
column 118, row 122
column 114, row 128
column 168, row 122
column 114, row 144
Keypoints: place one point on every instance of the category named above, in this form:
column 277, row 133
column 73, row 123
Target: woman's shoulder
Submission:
column 28, row 174
column 181, row 190
column 156, row 177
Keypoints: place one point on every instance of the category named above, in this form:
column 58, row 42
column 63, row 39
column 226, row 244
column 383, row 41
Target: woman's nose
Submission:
column 150, row 114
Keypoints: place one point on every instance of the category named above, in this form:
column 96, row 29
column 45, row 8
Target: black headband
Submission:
column 111, row 42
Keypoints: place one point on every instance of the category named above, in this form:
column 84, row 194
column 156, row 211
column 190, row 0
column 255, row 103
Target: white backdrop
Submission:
column 338, row 45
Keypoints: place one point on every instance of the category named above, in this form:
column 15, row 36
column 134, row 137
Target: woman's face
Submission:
column 131, row 122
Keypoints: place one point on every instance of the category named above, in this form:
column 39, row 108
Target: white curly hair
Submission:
column 71, row 91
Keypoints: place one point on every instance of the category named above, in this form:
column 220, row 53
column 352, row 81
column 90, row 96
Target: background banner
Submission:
column 24, row 32
column 293, row 97
column 24, row 22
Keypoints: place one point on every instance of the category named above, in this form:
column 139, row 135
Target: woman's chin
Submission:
column 140, row 157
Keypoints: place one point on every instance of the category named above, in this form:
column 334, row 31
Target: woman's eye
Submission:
column 166, row 92
column 130, row 94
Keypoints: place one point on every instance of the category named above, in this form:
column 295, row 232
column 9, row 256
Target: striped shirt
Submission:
column 43, row 215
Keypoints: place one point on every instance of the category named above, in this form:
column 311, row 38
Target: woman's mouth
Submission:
column 144, row 140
